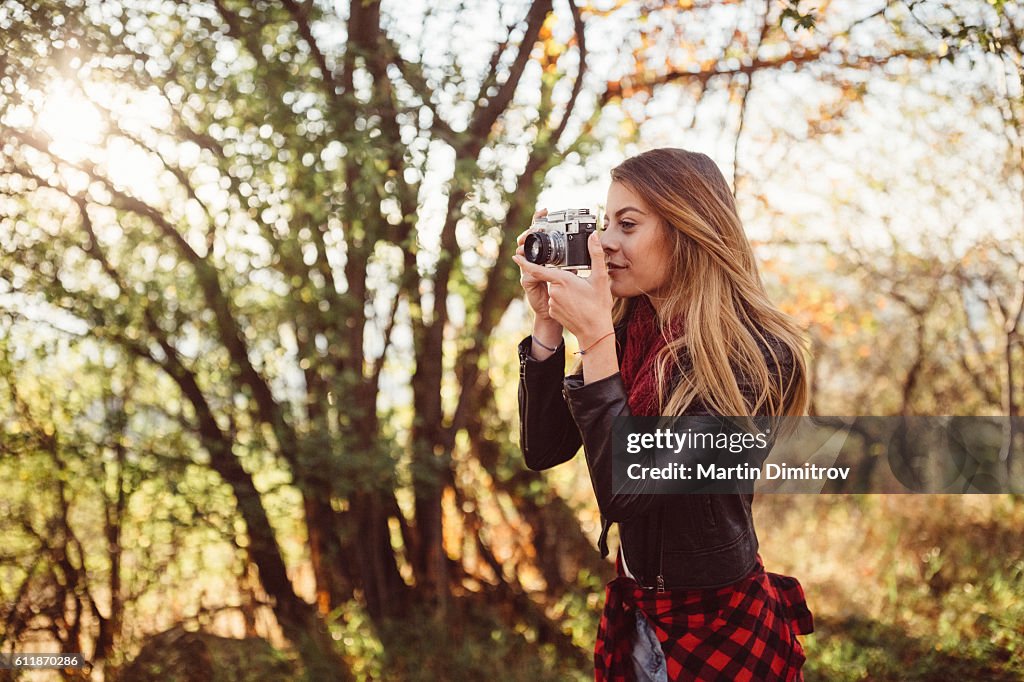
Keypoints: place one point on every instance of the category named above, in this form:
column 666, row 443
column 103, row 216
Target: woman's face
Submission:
column 636, row 245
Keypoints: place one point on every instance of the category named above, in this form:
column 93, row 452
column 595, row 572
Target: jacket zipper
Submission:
column 526, row 405
column 661, row 550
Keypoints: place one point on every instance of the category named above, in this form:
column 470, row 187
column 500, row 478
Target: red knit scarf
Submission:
column 644, row 341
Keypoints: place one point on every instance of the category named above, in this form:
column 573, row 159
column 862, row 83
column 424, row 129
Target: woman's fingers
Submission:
column 598, row 266
column 522, row 235
column 552, row 275
column 554, row 311
column 571, row 300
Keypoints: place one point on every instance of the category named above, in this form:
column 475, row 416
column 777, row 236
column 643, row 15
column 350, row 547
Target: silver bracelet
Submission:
column 546, row 347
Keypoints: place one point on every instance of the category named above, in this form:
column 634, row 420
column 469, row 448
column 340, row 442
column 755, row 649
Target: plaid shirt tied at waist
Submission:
column 743, row 631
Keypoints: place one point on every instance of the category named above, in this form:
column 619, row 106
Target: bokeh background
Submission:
column 258, row 319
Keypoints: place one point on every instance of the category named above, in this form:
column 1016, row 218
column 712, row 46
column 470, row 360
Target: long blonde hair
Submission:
column 717, row 291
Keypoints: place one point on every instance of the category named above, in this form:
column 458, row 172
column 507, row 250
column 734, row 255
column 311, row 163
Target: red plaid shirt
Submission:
column 743, row 631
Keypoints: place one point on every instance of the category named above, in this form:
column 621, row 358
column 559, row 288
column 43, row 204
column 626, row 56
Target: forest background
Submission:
column 258, row 318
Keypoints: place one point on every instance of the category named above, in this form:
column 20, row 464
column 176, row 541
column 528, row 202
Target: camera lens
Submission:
column 543, row 248
column 537, row 247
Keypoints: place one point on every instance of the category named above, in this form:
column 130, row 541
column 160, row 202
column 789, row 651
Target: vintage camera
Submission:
column 562, row 239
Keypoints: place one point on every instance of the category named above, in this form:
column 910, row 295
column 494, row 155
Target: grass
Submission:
column 912, row 587
column 904, row 587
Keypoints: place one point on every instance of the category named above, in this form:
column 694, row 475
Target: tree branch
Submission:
column 484, row 117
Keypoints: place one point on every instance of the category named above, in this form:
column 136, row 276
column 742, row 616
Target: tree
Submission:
column 320, row 158
column 284, row 210
column 100, row 482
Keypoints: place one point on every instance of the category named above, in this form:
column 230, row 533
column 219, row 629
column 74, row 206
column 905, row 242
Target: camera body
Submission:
column 561, row 241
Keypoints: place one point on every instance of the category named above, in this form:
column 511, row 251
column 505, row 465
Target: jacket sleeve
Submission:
column 547, row 433
column 594, row 407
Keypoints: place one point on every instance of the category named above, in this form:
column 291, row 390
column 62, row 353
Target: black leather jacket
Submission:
column 690, row 540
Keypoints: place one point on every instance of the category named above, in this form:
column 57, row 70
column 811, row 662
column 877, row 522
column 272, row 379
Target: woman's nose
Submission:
column 608, row 242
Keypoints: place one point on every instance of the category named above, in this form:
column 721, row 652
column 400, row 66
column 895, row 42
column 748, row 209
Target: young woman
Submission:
column 673, row 320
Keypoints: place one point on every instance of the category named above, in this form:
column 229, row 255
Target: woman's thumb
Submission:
column 597, row 265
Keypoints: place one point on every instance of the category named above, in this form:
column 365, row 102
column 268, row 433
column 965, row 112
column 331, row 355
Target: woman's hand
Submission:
column 581, row 305
column 536, row 289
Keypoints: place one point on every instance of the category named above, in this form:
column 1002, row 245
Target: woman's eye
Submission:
column 623, row 225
